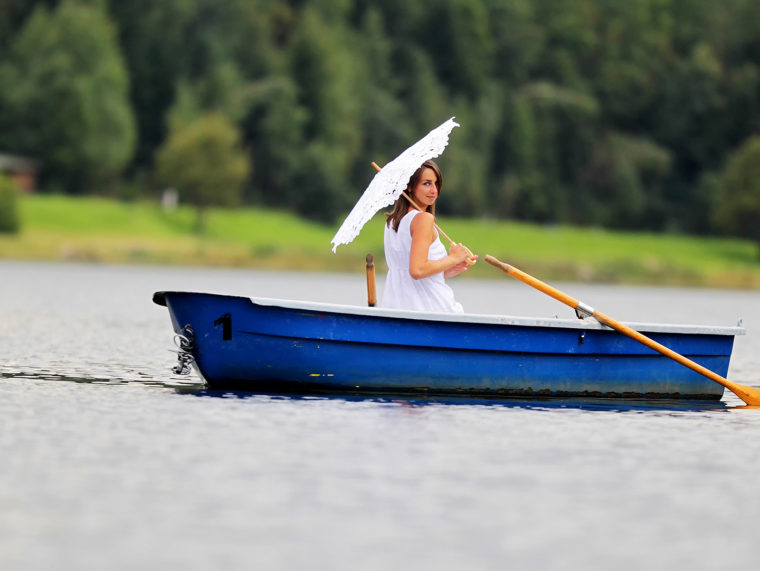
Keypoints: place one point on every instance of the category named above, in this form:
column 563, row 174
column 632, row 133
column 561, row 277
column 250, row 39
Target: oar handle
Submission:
column 749, row 395
column 371, row 291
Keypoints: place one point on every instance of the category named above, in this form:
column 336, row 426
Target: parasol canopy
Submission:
column 391, row 181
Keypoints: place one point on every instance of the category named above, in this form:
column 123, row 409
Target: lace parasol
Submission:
column 391, row 181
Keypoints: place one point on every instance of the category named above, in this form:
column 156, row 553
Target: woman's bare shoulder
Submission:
column 423, row 226
column 423, row 219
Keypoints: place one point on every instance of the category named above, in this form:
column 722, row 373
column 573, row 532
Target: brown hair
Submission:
column 402, row 204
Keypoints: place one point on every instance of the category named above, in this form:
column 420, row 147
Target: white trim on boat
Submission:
column 587, row 323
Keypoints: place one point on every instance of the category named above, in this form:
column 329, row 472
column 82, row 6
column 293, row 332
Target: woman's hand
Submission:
column 459, row 252
column 464, row 260
column 423, row 234
column 470, row 258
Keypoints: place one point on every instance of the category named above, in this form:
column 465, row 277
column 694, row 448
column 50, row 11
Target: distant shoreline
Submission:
column 97, row 230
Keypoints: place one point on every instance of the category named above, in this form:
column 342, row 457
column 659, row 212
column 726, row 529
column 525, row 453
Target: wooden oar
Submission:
column 470, row 260
column 749, row 395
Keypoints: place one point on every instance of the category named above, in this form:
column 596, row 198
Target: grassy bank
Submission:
column 98, row 230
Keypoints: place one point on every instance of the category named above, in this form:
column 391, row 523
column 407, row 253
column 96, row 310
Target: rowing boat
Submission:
column 269, row 345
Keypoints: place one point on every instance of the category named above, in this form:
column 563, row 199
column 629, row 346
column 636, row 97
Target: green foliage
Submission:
column 325, row 71
column 622, row 171
column 275, row 130
column 462, row 44
column 517, row 39
column 318, row 191
column 204, row 45
column 12, row 15
column 66, row 98
column 738, row 209
column 205, row 163
column 384, row 127
column 591, row 112
column 10, row 222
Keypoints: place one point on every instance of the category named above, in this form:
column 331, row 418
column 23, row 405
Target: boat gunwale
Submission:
column 465, row 318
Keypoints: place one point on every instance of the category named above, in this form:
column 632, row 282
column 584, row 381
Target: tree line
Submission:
column 634, row 115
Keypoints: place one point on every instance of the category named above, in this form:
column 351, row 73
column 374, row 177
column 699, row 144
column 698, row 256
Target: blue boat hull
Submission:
column 270, row 345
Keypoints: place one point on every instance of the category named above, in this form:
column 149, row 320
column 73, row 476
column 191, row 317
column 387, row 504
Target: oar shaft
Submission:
column 749, row 395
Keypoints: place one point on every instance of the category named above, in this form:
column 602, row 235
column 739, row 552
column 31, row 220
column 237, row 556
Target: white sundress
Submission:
column 401, row 291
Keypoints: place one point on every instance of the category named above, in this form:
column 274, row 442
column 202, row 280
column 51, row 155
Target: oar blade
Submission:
column 749, row 395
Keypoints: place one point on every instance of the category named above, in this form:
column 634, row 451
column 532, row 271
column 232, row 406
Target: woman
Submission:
column 416, row 258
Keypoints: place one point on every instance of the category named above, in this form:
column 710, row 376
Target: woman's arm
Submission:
column 460, row 267
column 423, row 234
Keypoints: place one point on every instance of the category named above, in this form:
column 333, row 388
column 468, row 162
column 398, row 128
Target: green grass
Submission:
column 100, row 230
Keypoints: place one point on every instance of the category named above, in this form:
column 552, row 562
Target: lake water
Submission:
column 110, row 461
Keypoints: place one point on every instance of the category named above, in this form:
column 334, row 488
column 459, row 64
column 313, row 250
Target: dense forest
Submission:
column 640, row 114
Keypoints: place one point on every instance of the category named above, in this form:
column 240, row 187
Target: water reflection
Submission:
column 193, row 386
column 542, row 403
